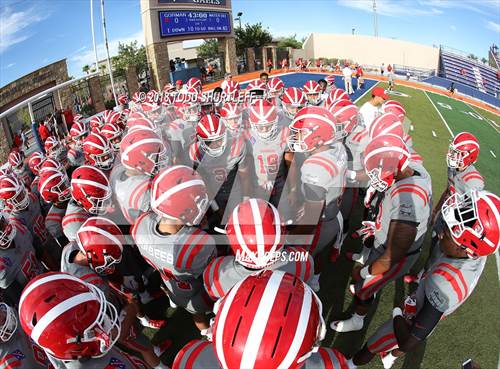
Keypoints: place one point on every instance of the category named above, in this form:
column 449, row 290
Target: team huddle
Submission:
column 225, row 207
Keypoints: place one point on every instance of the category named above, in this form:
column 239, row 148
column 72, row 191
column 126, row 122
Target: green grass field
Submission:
column 473, row 330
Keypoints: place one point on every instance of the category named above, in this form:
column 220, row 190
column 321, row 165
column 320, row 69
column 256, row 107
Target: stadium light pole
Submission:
column 93, row 34
column 105, row 34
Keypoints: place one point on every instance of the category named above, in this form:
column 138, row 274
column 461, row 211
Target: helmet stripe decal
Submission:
column 102, row 232
column 258, row 328
column 175, row 189
column 259, row 232
column 91, row 183
column 139, row 143
column 58, row 310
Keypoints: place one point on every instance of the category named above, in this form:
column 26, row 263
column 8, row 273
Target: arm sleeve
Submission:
column 425, row 321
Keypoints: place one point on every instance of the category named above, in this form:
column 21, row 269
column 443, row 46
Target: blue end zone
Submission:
column 299, row 79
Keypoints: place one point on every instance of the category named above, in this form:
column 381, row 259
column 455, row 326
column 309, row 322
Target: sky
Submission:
column 34, row 33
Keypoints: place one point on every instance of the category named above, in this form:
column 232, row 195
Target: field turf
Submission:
column 474, row 329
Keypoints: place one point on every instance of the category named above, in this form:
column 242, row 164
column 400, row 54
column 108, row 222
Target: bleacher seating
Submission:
column 463, row 70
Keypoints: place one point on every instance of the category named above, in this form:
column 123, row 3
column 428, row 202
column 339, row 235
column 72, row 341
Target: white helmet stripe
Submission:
column 91, row 183
column 102, row 232
column 259, row 231
column 467, row 142
column 386, row 149
column 204, row 129
column 58, row 310
column 241, row 239
column 175, row 189
column 46, row 182
column 300, row 331
column 259, row 324
column 41, row 281
column 139, row 143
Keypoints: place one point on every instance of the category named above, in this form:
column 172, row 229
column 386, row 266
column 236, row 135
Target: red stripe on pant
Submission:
column 388, row 341
column 371, row 288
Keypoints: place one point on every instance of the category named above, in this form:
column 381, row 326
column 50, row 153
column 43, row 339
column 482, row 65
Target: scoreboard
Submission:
column 188, row 22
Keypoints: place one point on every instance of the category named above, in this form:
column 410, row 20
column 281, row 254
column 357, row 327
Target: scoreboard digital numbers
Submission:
column 185, row 22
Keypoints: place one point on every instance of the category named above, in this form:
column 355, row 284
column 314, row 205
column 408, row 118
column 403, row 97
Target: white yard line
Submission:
column 492, row 124
column 359, row 98
column 439, row 113
column 434, row 134
column 493, row 154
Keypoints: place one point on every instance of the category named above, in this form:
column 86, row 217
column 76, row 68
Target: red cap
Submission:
column 178, row 82
column 380, row 92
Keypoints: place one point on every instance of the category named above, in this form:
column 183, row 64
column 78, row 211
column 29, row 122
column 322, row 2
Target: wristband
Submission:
column 397, row 312
column 350, row 174
column 365, row 272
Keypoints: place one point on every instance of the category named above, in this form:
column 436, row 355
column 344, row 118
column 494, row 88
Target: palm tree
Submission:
column 86, row 68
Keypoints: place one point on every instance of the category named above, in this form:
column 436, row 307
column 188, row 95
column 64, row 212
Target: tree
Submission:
column 86, row 68
column 209, row 49
column 23, row 116
column 472, row 56
column 290, row 41
column 484, row 60
column 251, row 35
column 130, row 54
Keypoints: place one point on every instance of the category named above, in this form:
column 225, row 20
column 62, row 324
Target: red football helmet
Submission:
column 77, row 117
column 98, row 151
column 53, row 147
column 96, row 122
column 275, row 87
column 51, row 163
column 394, row 107
column 113, row 133
column 293, row 99
column 8, row 322
column 330, row 81
column 179, row 193
column 13, row 193
column 194, row 82
column 187, row 106
column 386, row 156
column 473, row 219
column 212, row 135
column 78, row 132
column 346, row 117
column 254, row 231
column 269, row 320
column 463, row 151
column 387, row 123
column 231, row 115
column 16, row 160
column 257, row 86
column 90, row 189
column 68, row 318
column 313, row 92
column 313, row 126
column 54, row 186
column 143, row 150
column 7, row 233
column 111, row 116
column 138, row 97
column 123, row 99
column 143, row 123
column 232, row 89
column 263, row 118
column 101, row 241
column 168, row 87
column 335, row 95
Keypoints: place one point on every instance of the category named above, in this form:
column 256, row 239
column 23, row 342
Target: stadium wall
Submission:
column 370, row 50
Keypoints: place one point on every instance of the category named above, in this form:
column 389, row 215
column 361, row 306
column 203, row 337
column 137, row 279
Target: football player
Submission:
column 74, row 323
column 78, row 132
column 313, row 93
column 98, row 152
column 269, row 151
column 18, row 261
column 472, row 233
column 462, row 174
column 19, row 168
column 171, row 242
column 24, row 207
column 222, row 163
column 16, row 349
column 256, row 237
column 90, row 195
column 403, row 206
column 142, row 153
column 313, row 132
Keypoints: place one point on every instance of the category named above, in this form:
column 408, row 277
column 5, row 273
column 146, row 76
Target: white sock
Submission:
column 389, row 360
column 350, row 364
column 354, row 323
